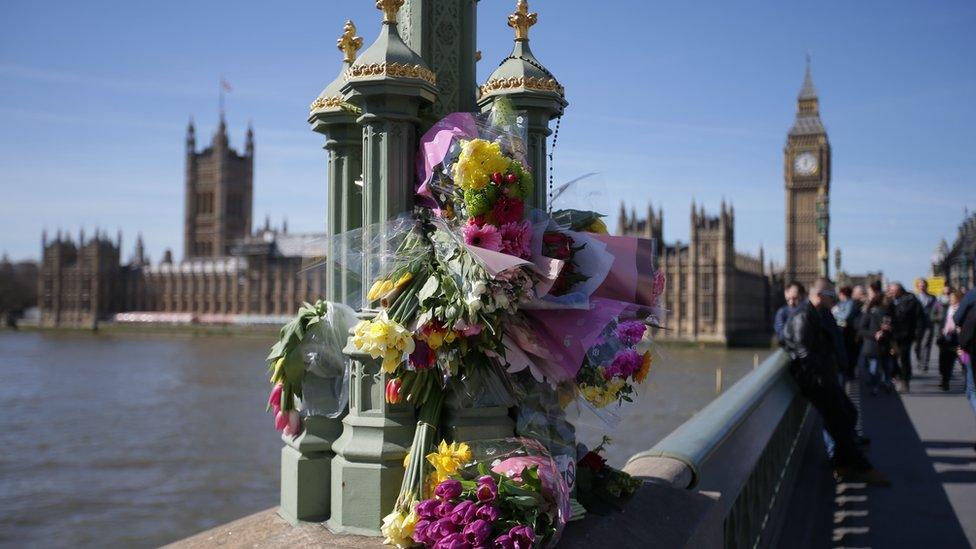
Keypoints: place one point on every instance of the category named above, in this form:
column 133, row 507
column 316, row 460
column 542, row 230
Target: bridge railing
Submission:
column 744, row 448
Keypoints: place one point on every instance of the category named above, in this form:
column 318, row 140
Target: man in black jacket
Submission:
column 906, row 325
column 812, row 346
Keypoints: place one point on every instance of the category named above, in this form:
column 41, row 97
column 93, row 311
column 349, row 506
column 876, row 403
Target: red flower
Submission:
column 557, row 245
column 593, row 461
column 508, row 210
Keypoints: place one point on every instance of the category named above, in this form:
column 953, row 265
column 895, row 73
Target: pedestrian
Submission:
column 906, row 321
column 847, row 313
column 794, row 294
column 875, row 329
column 948, row 341
column 928, row 327
column 965, row 320
column 811, row 346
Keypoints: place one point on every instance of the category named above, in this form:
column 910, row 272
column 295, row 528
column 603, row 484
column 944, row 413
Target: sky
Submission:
column 669, row 102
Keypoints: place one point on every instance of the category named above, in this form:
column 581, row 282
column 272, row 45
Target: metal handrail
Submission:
column 698, row 438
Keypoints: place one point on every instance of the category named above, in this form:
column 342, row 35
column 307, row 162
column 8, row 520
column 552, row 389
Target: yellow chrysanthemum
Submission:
column 478, row 160
column 383, row 338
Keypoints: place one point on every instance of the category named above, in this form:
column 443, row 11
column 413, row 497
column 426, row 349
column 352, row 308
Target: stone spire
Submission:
column 808, row 91
column 191, row 137
column 807, row 120
column 249, row 140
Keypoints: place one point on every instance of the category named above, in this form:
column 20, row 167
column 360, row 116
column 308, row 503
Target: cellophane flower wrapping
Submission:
column 325, row 388
column 497, row 493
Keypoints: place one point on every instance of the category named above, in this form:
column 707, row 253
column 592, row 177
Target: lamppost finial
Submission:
column 349, row 43
column 390, row 9
column 521, row 20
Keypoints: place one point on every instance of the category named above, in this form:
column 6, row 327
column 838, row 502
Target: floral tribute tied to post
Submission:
column 485, row 301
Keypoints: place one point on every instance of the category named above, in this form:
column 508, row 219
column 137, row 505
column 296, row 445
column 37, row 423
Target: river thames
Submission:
column 139, row 440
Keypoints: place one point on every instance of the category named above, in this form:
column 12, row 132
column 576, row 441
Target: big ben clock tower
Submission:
column 807, row 174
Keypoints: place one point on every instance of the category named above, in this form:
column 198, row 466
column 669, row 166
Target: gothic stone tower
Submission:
column 218, row 195
column 807, row 174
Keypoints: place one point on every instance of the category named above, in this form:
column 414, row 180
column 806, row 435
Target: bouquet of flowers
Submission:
column 483, row 300
column 621, row 358
column 495, row 493
column 599, row 487
column 311, row 344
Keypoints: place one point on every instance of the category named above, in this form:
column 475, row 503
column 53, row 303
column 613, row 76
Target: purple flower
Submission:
column 420, row 531
column 444, row 509
column 487, row 512
column 440, row 529
column 626, row 363
column 504, row 541
column 464, row 512
column 477, row 532
column 428, row 509
column 522, row 536
column 486, row 236
column 449, row 489
column 422, row 357
column 630, row 332
column 487, row 489
column 452, row 541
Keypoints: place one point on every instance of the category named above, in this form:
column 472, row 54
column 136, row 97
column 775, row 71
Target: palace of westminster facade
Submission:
column 229, row 270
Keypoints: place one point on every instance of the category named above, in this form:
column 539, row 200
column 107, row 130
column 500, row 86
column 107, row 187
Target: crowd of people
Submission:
column 834, row 336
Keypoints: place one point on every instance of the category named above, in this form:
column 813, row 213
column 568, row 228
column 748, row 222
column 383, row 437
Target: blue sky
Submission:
column 669, row 101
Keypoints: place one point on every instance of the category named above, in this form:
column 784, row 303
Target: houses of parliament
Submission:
column 229, row 271
column 718, row 294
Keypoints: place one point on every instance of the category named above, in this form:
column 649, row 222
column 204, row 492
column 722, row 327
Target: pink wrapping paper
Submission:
column 631, row 278
column 435, row 144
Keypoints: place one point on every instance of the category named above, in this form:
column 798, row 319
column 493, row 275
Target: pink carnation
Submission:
column 486, row 236
column 517, row 239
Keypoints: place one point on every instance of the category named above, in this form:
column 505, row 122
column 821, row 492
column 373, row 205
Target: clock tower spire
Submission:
column 807, row 178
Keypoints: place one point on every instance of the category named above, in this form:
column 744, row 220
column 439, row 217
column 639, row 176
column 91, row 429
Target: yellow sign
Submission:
column 936, row 284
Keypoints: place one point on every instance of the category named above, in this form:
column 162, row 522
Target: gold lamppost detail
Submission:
column 349, row 43
column 390, row 9
column 521, row 20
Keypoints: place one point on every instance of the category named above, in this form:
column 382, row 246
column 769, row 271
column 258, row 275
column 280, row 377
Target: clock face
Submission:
column 805, row 163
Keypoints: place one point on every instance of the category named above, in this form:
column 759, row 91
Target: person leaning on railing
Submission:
column 812, row 348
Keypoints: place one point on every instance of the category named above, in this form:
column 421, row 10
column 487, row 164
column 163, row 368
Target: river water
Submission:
column 139, row 440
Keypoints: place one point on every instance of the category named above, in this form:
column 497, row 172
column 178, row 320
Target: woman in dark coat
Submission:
column 875, row 331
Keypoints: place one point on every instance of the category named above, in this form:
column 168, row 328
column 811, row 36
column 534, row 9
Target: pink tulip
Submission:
column 274, row 399
column 281, row 420
column 294, row 426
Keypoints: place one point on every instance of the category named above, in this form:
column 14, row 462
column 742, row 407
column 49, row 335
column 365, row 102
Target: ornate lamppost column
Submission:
column 331, row 115
column 531, row 88
column 389, row 82
column 306, row 460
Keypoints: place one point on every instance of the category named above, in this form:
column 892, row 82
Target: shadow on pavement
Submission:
column 914, row 512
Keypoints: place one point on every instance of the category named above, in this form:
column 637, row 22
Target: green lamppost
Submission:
column 331, row 115
column 306, row 460
column 389, row 82
column 531, row 88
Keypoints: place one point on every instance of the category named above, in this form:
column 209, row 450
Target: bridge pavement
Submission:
column 924, row 442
